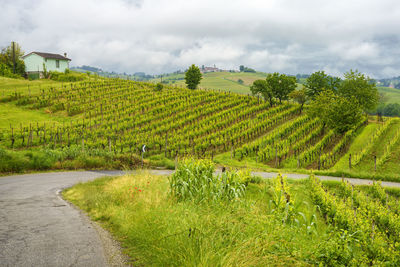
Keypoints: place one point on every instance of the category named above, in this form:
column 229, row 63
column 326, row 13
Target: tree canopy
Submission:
column 275, row 86
column 281, row 85
column 360, row 87
column 193, row 77
column 299, row 96
column 262, row 87
column 335, row 111
column 6, row 60
column 320, row 81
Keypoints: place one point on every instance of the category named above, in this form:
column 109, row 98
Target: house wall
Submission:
column 52, row 66
column 34, row 63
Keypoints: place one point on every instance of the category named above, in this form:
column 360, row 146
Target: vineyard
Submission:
column 118, row 116
column 369, row 220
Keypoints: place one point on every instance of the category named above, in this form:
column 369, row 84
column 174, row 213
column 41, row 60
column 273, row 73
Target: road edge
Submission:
column 112, row 248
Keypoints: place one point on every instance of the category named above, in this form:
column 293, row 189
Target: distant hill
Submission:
column 85, row 68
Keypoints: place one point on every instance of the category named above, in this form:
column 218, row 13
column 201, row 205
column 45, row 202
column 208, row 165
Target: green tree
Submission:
column 262, row 87
column 193, row 77
column 360, row 88
column 316, row 83
column 281, row 85
column 335, row 111
column 6, row 57
column 299, row 96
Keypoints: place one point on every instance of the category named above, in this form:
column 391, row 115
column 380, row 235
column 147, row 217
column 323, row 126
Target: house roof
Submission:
column 49, row 55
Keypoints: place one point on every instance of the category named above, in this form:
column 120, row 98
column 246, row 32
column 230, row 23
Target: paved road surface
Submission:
column 38, row 228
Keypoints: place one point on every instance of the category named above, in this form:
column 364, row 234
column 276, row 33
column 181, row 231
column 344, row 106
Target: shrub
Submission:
column 12, row 162
column 67, row 77
column 195, row 180
column 159, row 87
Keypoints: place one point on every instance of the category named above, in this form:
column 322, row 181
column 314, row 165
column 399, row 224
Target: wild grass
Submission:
column 69, row 158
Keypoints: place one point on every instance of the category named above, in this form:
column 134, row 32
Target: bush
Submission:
column 159, row 87
column 7, row 72
column 67, row 77
column 12, row 162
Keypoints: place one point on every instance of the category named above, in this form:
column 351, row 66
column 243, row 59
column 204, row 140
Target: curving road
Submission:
column 38, row 228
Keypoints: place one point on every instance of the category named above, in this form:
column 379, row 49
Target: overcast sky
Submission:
column 157, row 36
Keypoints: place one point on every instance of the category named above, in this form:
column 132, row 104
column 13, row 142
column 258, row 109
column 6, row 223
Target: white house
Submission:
column 35, row 61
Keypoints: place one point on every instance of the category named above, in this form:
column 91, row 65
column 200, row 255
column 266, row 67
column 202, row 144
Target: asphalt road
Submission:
column 38, row 228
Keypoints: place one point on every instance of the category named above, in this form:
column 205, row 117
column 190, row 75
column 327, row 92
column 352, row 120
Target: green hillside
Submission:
column 229, row 81
column 224, row 81
column 119, row 116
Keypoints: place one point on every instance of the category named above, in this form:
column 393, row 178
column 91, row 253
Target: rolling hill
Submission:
column 118, row 117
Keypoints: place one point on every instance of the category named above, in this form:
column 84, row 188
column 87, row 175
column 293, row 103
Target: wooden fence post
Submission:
column 350, row 161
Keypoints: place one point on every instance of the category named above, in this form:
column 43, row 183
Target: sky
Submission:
column 160, row 36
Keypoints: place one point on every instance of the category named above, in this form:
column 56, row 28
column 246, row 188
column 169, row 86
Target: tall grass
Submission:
column 195, row 180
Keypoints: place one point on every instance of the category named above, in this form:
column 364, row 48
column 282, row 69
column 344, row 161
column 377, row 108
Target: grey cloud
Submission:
column 161, row 36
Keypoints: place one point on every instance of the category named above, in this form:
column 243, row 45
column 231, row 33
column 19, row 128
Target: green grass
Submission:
column 392, row 94
column 356, row 146
column 157, row 230
column 224, row 81
column 15, row 115
column 9, row 85
column 367, row 164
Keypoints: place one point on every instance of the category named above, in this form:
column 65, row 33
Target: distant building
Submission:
column 209, row 69
column 35, row 61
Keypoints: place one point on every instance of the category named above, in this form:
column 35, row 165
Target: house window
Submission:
column 57, row 63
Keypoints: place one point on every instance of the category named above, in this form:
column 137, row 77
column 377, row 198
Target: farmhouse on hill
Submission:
column 35, row 61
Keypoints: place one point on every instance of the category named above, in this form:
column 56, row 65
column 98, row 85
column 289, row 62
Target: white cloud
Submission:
column 162, row 36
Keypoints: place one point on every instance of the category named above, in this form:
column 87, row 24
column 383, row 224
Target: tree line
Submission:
column 338, row 103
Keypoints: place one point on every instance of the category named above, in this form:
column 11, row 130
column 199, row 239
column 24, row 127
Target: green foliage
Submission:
column 246, row 69
column 67, row 77
column 6, row 57
column 195, row 180
column 158, row 231
column 240, row 81
column 158, row 87
column 319, row 81
column 356, row 86
column 262, row 87
column 390, row 110
column 369, row 230
column 337, row 112
column 193, row 77
column 46, row 74
column 281, row 85
column 300, row 96
column 6, row 71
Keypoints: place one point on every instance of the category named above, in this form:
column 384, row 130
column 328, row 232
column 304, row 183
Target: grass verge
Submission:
column 156, row 229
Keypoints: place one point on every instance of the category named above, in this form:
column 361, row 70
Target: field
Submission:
column 190, row 219
column 392, row 95
column 224, row 81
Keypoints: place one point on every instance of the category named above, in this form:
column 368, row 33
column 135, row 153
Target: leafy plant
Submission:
column 195, row 180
